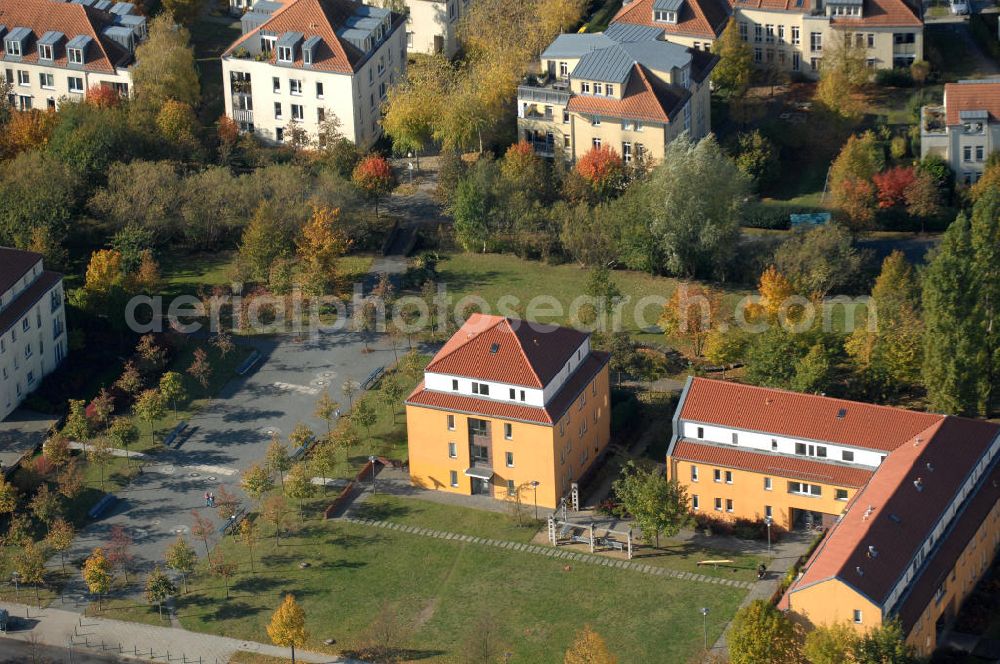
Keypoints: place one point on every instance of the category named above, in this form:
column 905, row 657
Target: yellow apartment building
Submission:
column 791, row 35
column 625, row 88
column 509, row 408
column 908, row 501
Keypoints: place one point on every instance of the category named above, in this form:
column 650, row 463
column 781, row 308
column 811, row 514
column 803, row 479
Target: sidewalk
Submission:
column 65, row 629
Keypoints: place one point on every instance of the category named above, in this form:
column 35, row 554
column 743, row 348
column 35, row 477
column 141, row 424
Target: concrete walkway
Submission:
column 65, row 629
column 551, row 552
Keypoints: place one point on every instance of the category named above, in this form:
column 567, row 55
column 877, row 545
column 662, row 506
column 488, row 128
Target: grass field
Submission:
column 438, row 589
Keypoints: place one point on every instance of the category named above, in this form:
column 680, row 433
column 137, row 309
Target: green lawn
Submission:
column 184, row 275
column 450, row 518
column 439, row 589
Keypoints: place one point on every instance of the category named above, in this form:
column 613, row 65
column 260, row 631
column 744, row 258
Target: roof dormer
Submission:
column 667, row 11
column 76, row 50
column 310, row 50
column 16, row 42
column 844, row 8
column 286, row 45
column 47, row 44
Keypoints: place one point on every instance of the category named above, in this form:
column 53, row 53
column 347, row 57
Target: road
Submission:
column 19, row 652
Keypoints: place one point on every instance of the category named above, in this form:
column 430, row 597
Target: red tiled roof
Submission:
column 972, row 96
column 805, row 416
column 41, row 16
column 319, row 18
column 894, row 13
column 902, row 517
column 526, row 353
column 772, row 464
column 511, row 410
column 697, row 18
column 644, row 98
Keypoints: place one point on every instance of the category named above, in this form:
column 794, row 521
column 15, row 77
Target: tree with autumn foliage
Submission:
column 603, row 169
column 228, row 133
column 373, row 176
column 104, row 271
column 165, row 66
column 691, row 313
column 97, row 574
column 26, row 130
column 892, row 185
column 178, row 124
column 589, row 648
column 288, row 625
column 522, row 167
column 774, row 289
column 322, row 243
column 103, row 96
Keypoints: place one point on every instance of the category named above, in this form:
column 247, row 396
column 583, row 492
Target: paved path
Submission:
column 551, row 552
column 54, row 627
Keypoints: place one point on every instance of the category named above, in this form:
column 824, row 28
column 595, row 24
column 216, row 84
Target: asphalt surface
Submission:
column 18, row 652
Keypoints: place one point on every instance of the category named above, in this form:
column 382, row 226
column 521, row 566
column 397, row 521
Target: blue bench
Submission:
column 231, row 523
column 248, row 363
column 300, row 451
column 173, row 438
column 102, row 506
column 373, row 378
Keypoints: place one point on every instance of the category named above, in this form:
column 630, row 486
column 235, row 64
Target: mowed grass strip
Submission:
column 438, row 588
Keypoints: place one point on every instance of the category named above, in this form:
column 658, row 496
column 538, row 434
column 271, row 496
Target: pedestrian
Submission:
column 211, row 500
column 207, row 502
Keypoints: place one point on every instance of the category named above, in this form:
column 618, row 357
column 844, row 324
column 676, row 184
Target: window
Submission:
column 45, row 51
column 701, row 432
column 816, row 41
column 695, row 503
column 857, row 616
column 596, row 143
column 27, row 351
column 717, row 475
column 276, row 84
column 284, row 54
column 47, row 81
column 510, row 459
column 661, row 16
column 294, row 86
column 967, row 153
column 508, row 430
column 13, row 48
column 23, row 77
column 25, row 325
column 563, row 70
column 781, row 34
column 847, row 455
column 279, row 134
column 774, row 445
column 729, row 477
column 585, row 88
column 454, row 384
column 840, row 494
column 758, row 55
column 729, row 504
column 454, row 477
column 565, row 117
column 758, row 33
column 743, row 31
column 767, row 484
column 511, row 491
column 480, row 388
column 769, row 32
column 452, row 451
column 694, row 473
column 76, row 84
column 718, row 504
column 979, row 153
column 451, row 422
column 609, row 90
column 298, row 113
column 522, row 395
column 596, row 122
column 319, row 90
column 736, row 438
column 904, row 38
column 598, row 88
column 803, row 489
column 277, row 110
column 767, row 512
column 814, row 64
column 821, row 451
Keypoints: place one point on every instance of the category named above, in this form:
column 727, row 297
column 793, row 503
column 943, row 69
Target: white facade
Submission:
column 496, row 391
column 963, row 135
column 43, row 86
column 266, row 96
column 431, row 26
column 33, row 335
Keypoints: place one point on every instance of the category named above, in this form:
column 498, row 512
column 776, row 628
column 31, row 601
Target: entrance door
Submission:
column 480, row 487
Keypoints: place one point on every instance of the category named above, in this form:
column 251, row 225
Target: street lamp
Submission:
column 371, row 460
column 14, row 576
column 767, row 522
column 534, row 489
column 704, row 616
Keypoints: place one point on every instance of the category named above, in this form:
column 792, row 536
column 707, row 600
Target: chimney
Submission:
column 919, row 483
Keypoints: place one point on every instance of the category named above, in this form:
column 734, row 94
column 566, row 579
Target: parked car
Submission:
column 959, row 8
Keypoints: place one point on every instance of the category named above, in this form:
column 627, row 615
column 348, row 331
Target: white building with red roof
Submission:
column 965, row 129
column 297, row 65
column 508, row 405
column 907, row 501
column 59, row 50
column 790, row 35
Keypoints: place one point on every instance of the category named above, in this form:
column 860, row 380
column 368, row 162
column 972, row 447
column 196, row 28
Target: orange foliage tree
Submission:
column 103, row 96
column 892, row 185
column 26, row 130
column 373, row 175
column 603, row 168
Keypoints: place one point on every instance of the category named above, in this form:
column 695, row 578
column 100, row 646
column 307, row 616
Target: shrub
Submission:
column 762, row 216
column 898, row 77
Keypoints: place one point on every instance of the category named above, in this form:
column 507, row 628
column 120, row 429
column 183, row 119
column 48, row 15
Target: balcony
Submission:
column 544, row 148
column 243, row 115
column 544, row 90
column 932, row 120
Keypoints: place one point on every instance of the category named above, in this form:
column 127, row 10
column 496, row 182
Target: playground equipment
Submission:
column 584, row 533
